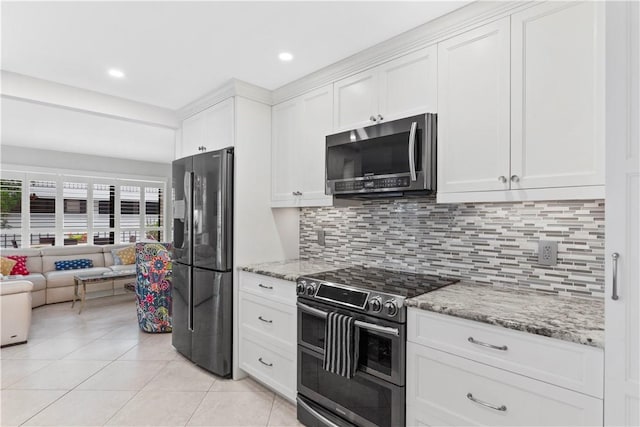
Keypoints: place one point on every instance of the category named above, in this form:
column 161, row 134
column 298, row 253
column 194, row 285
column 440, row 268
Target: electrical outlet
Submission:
column 547, row 252
column 320, row 234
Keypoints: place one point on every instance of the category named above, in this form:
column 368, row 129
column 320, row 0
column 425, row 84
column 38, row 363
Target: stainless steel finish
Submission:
column 515, row 178
column 263, row 362
column 188, row 219
column 264, row 286
column 484, row 344
column 265, row 320
column 488, row 405
column 375, row 304
column 391, row 307
column 614, row 267
column 380, row 117
column 300, row 288
column 372, row 118
column 190, row 301
column 358, row 323
column 225, row 210
column 502, row 179
column 412, row 149
column 311, row 289
column 316, row 414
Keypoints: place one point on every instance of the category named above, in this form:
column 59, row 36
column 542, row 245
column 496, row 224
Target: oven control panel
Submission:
column 364, row 301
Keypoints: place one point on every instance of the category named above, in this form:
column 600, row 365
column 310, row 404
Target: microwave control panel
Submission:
column 370, row 184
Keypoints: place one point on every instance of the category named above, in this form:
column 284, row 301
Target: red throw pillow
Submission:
column 21, row 264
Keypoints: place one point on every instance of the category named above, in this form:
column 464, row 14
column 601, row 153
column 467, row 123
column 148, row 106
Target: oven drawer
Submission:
column 574, row 366
column 274, row 322
column 450, row 390
column 273, row 369
column 268, row 287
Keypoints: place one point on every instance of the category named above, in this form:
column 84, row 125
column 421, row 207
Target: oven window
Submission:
column 312, row 331
column 384, row 155
column 375, row 352
column 366, row 398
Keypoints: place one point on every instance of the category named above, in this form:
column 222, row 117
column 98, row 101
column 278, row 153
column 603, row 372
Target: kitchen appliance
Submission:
column 375, row 395
column 203, row 259
column 393, row 158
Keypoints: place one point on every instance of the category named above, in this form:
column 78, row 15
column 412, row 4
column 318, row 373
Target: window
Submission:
column 53, row 209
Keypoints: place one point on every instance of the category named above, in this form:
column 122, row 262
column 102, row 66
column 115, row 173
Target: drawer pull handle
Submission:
column 265, row 320
column 265, row 287
column 488, row 405
column 484, row 344
column 263, row 362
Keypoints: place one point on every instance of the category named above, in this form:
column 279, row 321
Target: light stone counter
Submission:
column 578, row 320
column 290, row 269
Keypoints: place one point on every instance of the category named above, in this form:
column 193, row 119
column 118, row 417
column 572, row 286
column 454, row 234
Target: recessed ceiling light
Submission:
column 285, row 56
column 114, row 72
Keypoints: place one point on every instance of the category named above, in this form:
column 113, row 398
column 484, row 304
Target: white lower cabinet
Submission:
column 452, row 380
column 267, row 331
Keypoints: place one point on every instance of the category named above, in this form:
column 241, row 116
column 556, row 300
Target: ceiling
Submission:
column 174, row 52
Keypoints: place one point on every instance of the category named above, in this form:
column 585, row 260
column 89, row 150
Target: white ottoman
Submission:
column 15, row 303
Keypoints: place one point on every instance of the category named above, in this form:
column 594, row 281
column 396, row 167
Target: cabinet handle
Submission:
column 265, row 320
column 372, row 118
column 297, row 193
column 484, row 344
column 265, row 287
column 515, row 178
column 614, row 267
column 380, row 117
column 263, row 362
column 502, row 179
column 488, row 405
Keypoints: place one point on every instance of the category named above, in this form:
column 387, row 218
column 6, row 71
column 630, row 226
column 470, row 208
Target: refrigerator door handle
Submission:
column 225, row 211
column 190, row 300
column 188, row 215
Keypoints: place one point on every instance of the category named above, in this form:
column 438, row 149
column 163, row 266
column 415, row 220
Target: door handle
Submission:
column 412, row 149
column 614, row 267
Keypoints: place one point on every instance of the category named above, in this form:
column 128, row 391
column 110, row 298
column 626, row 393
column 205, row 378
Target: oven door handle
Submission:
column 316, row 414
column 358, row 323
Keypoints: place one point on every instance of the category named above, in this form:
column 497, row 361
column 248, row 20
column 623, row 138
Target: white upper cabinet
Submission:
column 398, row 88
column 473, row 110
column 300, row 126
column 520, row 105
column 557, row 99
column 208, row 130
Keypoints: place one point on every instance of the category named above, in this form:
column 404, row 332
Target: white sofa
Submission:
column 51, row 285
column 15, row 303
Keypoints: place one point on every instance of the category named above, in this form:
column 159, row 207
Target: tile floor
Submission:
column 99, row 369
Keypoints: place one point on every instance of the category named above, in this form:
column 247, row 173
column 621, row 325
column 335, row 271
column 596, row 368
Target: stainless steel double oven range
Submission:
column 375, row 395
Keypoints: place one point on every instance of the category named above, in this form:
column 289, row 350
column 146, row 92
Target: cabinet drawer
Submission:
column 268, row 287
column 574, row 366
column 274, row 321
column 273, row 369
column 443, row 387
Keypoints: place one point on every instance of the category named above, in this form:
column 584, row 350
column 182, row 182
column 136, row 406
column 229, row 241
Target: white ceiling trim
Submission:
column 30, row 89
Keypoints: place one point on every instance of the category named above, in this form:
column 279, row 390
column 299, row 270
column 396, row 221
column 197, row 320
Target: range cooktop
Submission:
column 375, row 291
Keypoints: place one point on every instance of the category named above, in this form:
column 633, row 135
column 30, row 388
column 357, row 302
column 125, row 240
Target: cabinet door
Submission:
column 193, row 134
column 557, row 96
column 408, row 85
column 473, row 110
column 286, row 137
column 622, row 216
column 355, row 100
column 316, row 124
column 219, row 125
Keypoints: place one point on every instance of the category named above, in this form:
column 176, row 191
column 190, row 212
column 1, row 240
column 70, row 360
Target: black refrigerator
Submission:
column 203, row 259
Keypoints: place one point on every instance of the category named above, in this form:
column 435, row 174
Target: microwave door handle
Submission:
column 412, row 149
column 360, row 324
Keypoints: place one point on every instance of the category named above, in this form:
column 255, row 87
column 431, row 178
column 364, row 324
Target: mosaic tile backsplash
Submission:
column 493, row 243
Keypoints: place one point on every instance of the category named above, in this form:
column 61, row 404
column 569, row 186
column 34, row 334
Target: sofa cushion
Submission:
column 15, row 287
column 34, row 258
column 122, row 268
column 73, row 264
column 109, row 251
column 20, row 266
column 48, row 260
column 38, row 280
column 127, row 255
column 58, row 279
column 6, row 265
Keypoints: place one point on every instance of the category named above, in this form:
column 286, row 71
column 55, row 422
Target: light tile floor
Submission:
column 98, row 369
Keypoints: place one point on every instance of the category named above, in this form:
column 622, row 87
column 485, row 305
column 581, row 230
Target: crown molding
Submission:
column 233, row 87
column 456, row 22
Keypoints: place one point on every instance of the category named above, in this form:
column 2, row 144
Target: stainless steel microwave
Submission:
column 394, row 158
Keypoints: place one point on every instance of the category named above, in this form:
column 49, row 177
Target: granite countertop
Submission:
column 578, row 320
column 290, row 269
